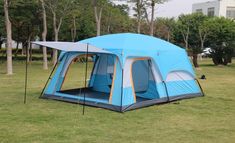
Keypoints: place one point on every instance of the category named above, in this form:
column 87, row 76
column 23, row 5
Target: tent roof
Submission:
column 125, row 44
column 131, row 42
column 71, row 47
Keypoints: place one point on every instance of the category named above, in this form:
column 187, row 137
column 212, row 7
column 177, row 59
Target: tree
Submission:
column 115, row 19
column 152, row 4
column 98, row 9
column 2, row 24
column 44, row 34
column 183, row 27
column 193, row 32
column 221, row 39
column 164, row 28
column 139, row 9
column 24, row 17
column 9, row 38
column 197, row 35
column 203, row 31
column 59, row 9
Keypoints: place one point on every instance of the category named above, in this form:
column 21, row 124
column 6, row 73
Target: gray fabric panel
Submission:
column 159, row 101
column 179, row 76
column 71, row 47
column 141, row 104
column 89, row 93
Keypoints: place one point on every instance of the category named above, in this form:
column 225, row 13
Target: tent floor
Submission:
column 93, row 94
column 88, row 93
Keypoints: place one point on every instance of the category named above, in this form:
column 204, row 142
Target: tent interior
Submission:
column 144, row 84
column 98, row 76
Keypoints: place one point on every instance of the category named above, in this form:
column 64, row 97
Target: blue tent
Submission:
column 130, row 71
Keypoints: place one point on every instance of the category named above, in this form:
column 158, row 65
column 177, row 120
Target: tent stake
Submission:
column 84, row 95
column 26, row 75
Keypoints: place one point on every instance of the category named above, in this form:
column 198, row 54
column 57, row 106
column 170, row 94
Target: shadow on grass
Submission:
column 207, row 65
column 213, row 65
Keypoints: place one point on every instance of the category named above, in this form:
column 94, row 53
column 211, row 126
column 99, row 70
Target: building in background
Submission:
column 224, row 8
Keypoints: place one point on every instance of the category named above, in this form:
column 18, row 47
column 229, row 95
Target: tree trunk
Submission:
column 74, row 29
column 44, row 35
column 195, row 60
column 152, row 18
column 30, row 52
column 138, row 26
column 28, row 48
column 22, row 51
column 55, row 52
column 168, row 36
column 108, row 29
column 9, row 39
column 17, row 48
column 109, row 22
column 97, row 19
column 139, row 8
column 56, row 32
column 98, row 28
column 230, row 60
column 1, row 45
column 217, row 58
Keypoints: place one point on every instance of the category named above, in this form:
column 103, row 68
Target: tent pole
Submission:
column 200, row 86
column 121, row 92
column 26, row 75
column 85, row 86
column 167, row 94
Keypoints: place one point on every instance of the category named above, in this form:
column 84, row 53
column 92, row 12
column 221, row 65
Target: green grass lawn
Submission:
column 209, row 119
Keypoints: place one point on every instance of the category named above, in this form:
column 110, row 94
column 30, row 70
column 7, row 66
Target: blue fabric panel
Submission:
column 92, row 76
column 52, row 86
column 166, row 56
column 128, row 97
column 173, row 61
column 66, row 64
column 62, row 53
column 102, row 79
column 151, row 92
column 101, row 83
column 182, row 87
column 117, row 89
column 161, row 90
column 126, row 41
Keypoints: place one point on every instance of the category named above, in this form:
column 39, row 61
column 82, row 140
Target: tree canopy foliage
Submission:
column 75, row 20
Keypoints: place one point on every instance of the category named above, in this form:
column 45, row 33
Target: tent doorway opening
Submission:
column 99, row 77
column 144, row 84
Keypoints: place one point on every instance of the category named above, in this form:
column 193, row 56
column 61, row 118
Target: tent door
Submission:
column 143, row 83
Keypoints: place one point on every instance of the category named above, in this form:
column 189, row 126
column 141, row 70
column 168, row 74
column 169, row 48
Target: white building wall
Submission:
column 205, row 5
column 223, row 6
column 14, row 45
column 219, row 5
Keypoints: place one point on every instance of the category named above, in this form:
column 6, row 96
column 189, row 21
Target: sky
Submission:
column 174, row 8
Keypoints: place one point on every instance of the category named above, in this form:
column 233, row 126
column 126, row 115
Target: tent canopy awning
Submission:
column 72, row 47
